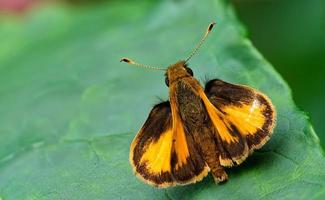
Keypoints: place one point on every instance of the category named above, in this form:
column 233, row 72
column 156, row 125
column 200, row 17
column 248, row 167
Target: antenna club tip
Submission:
column 211, row 25
column 126, row 60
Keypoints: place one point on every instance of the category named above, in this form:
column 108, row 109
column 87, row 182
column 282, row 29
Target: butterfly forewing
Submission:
column 162, row 154
column 154, row 139
column 244, row 115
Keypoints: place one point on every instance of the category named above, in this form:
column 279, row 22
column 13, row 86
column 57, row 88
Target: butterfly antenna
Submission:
column 131, row 62
column 211, row 25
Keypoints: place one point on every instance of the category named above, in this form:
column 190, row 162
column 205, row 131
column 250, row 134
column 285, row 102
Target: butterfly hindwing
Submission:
column 162, row 154
column 244, row 119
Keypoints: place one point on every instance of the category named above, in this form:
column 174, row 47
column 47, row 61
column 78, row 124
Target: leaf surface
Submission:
column 69, row 109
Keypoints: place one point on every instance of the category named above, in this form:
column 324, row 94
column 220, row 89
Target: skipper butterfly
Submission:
column 199, row 129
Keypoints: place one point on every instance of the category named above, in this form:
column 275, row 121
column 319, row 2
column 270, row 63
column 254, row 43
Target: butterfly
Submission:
column 199, row 130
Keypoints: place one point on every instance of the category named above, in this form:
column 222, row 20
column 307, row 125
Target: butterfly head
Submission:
column 177, row 71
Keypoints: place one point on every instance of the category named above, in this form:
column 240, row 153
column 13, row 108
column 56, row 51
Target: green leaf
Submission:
column 69, row 109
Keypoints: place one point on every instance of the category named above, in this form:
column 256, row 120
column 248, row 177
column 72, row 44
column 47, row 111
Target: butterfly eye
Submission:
column 189, row 70
column 167, row 81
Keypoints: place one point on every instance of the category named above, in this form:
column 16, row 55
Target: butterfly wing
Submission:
column 244, row 119
column 161, row 154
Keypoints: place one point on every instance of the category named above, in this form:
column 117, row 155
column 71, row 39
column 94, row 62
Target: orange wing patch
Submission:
column 180, row 147
column 248, row 119
column 158, row 154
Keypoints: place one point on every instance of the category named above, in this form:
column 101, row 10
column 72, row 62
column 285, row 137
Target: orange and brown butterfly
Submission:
column 199, row 130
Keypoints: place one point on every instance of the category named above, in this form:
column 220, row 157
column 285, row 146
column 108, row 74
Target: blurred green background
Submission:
column 290, row 34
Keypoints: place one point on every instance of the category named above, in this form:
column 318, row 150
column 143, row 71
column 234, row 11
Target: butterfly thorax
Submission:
column 184, row 94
